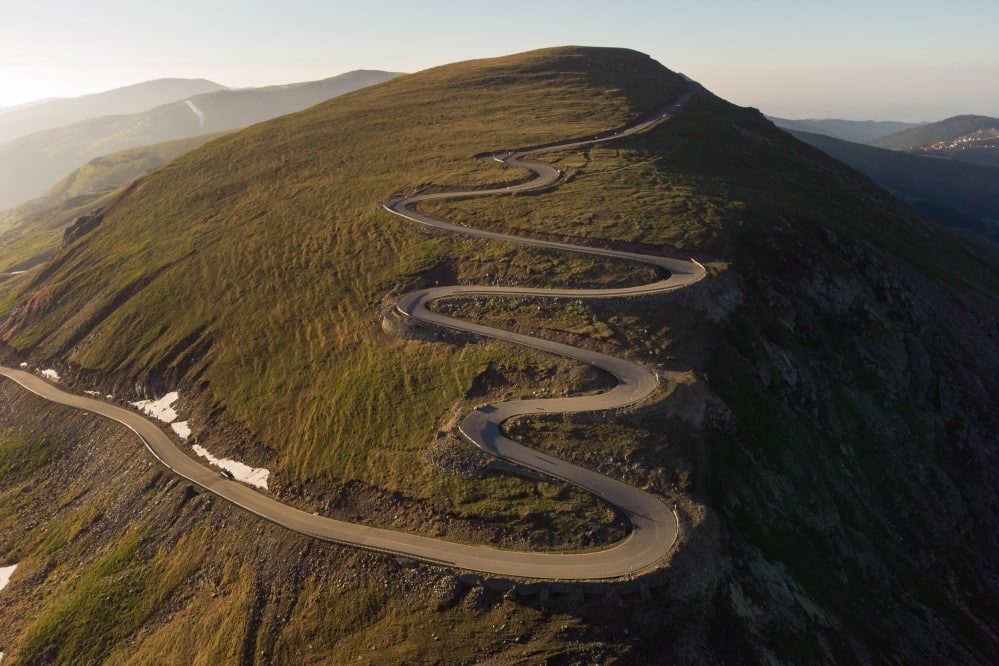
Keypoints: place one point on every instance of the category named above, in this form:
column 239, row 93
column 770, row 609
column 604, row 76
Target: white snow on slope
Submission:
column 160, row 409
column 5, row 574
column 197, row 112
column 255, row 476
column 49, row 373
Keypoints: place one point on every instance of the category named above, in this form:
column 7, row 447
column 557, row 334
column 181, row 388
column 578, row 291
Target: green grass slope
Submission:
column 181, row 583
column 834, row 317
column 290, row 207
column 31, row 233
column 825, row 429
column 109, row 172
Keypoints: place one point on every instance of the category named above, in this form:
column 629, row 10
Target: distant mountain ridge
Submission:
column 966, row 138
column 30, row 165
column 960, row 195
column 858, row 131
column 944, row 130
column 37, row 116
column 27, row 105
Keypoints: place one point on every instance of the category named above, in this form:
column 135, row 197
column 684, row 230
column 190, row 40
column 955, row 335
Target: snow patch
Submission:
column 255, row 476
column 93, row 393
column 181, row 428
column 159, row 409
column 197, row 112
column 23, row 364
column 49, row 373
column 5, row 574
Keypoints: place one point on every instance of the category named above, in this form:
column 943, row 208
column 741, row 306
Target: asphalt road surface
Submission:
column 654, row 527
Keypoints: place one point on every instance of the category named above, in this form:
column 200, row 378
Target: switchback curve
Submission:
column 654, row 525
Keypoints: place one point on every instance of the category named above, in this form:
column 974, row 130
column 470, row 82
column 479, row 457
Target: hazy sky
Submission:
column 914, row 60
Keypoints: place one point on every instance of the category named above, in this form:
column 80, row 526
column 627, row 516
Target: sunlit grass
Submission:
column 32, row 233
column 259, row 264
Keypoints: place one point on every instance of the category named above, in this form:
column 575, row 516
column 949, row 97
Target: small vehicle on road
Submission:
column 226, row 474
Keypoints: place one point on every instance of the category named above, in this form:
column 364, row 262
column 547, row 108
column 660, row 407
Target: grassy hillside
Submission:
column 111, row 171
column 827, row 401
column 31, row 164
column 833, row 315
column 31, row 233
column 680, row 187
column 313, row 378
column 188, row 580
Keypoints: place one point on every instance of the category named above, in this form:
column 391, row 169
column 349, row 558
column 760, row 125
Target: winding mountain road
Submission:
column 654, row 524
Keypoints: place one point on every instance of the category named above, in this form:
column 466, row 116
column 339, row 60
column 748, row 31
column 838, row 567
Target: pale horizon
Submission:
column 907, row 62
